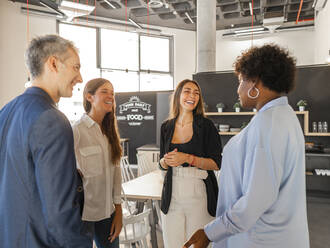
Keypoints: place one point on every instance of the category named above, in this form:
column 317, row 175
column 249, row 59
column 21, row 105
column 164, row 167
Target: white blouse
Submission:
column 101, row 178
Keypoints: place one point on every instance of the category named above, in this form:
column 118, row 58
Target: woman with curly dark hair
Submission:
column 262, row 197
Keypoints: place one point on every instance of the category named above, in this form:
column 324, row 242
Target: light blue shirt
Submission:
column 262, row 190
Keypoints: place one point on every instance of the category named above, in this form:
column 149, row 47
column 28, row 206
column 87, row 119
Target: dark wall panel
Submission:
column 140, row 116
column 313, row 85
column 163, row 107
column 136, row 113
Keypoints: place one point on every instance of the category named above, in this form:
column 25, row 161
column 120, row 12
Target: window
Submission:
column 136, row 62
column 84, row 39
column 155, row 53
column 155, row 82
column 122, row 81
column 119, row 50
column 131, row 61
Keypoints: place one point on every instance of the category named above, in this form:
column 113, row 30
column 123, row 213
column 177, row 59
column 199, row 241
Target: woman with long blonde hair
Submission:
column 98, row 152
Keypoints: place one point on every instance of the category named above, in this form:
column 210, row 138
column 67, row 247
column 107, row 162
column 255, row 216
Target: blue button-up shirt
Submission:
column 38, row 179
column 262, row 198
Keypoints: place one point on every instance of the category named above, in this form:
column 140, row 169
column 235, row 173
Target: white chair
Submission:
column 144, row 166
column 135, row 227
column 126, row 171
column 129, row 207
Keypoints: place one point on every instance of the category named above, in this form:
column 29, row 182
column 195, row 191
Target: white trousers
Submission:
column 188, row 208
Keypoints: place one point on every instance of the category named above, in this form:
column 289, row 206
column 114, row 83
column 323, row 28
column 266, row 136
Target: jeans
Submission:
column 101, row 231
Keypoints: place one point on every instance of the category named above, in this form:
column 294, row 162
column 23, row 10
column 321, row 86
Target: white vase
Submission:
column 219, row 109
column 301, row 108
column 237, row 109
column 254, row 110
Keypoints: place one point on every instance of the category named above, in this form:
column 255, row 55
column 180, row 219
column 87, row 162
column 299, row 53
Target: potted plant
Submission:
column 220, row 106
column 237, row 107
column 244, row 124
column 302, row 104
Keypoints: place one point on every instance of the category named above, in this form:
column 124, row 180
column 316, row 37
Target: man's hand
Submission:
column 198, row 239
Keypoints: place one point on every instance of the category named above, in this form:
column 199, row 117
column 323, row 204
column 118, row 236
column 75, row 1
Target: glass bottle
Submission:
column 325, row 127
column 319, row 127
column 314, row 130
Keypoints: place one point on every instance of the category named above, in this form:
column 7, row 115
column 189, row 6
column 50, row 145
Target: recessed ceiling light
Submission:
column 156, row 4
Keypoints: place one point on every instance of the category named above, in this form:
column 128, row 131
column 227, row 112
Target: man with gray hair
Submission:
column 39, row 184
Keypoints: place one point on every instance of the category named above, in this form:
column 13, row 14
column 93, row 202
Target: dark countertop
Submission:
column 148, row 147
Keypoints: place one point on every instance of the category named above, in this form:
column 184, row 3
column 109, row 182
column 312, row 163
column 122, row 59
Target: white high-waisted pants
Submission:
column 188, row 208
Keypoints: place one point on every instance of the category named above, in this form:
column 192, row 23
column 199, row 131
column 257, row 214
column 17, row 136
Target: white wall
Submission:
column 300, row 43
column 322, row 34
column 13, row 42
column 184, row 53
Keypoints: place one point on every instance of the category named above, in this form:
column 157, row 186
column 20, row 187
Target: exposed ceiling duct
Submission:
column 182, row 14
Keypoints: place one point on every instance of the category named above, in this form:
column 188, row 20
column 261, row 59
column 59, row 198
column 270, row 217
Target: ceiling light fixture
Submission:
column 247, row 34
column 135, row 23
column 74, row 9
column 295, row 28
column 155, row 4
column 249, row 30
column 189, row 17
column 250, row 7
column 258, row 32
column 110, row 4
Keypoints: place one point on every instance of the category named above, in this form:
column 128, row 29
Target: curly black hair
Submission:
column 270, row 64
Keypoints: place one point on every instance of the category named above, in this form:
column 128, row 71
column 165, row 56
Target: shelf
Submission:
column 317, row 134
column 301, row 112
column 305, row 128
column 304, row 113
column 228, row 133
column 246, row 113
column 230, row 113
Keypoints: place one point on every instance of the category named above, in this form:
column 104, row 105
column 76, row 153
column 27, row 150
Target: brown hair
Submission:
column 175, row 100
column 109, row 124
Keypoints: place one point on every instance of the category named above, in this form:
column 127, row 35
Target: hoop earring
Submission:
column 253, row 97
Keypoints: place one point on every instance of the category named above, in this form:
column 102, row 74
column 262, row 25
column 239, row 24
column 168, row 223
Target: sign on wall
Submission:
column 136, row 115
column 135, row 112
